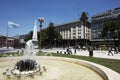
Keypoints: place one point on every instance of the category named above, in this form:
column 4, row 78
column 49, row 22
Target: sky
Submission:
column 25, row 12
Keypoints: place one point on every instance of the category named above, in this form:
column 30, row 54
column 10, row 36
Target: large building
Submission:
column 9, row 42
column 74, row 31
column 99, row 19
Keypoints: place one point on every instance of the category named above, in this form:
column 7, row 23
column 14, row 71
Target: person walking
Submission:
column 75, row 50
column 90, row 51
column 110, row 51
column 69, row 51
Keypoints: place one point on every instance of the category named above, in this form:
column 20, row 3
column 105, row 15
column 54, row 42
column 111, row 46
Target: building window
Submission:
column 74, row 27
column 74, row 37
column 79, row 29
column 74, row 30
column 76, row 24
column 79, row 32
column 74, row 33
column 79, row 37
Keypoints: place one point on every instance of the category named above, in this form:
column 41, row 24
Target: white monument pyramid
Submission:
column 34, row 37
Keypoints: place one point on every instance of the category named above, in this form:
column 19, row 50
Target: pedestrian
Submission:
column 75, row 50
column 68, row 50
column 22, row 50
column 110, row 51
column 119, row 49
column 116, row 50
column 90, row 51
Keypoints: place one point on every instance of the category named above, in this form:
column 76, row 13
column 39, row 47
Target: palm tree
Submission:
column 84, row 20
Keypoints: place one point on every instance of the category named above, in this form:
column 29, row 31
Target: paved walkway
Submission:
column 96, row 53
column 100, row 54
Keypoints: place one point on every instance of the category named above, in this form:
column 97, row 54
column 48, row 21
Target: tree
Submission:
column 118, row 29
column 28, row 36
column 108, row 29
column 48, row 36
column 84, row 20
column 111, row 29
column 44, row 37
column 52, row 34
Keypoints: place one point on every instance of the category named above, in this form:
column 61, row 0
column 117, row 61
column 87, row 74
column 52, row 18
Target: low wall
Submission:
column 83, row 63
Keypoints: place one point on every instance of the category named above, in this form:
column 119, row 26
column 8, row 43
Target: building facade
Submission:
column 74, row 30
column 2, row 41
column 99, row 19
column 74, row 33
column 9, row 42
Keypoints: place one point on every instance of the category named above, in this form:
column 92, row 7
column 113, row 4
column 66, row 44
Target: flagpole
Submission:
column 10, row 24
column 7, row 37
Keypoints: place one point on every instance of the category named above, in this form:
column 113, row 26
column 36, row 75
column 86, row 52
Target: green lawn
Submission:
column 110, row 63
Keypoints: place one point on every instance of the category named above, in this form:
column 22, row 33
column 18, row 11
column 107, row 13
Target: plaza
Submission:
column 60, row 40
column 55, row 68
column 96, row 53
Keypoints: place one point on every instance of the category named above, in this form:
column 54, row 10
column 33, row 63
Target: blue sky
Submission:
column 24, row 12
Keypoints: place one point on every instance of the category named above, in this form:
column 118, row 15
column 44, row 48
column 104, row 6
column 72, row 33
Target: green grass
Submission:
column 110, row 63
column 10, row 54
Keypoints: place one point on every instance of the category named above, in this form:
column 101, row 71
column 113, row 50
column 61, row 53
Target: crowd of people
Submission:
column 111, row 50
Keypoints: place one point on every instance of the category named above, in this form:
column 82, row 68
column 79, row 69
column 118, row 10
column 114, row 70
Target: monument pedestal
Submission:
column 35, row 44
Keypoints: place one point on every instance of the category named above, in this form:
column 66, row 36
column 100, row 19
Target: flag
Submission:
column 12, row 24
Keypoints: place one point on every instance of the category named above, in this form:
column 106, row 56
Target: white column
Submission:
column 71, row 33
column 77, row 32
column 85, row 32
column 65, row 35
column 68, row 34
column 82, row 32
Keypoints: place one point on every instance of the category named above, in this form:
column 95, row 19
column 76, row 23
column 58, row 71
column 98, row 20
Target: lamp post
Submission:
column 41, row 20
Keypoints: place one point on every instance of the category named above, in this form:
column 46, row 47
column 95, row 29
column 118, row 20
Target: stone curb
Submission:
column 105, row 72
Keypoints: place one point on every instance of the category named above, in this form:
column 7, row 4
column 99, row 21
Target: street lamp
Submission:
column 41, row 20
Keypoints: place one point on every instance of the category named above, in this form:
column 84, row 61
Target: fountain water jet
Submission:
column 27, row 66
column 29, row 50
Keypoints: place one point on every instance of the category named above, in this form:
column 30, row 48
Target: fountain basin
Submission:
column 58, row 69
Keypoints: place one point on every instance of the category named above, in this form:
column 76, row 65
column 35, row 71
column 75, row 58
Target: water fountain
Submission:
column 31, row 67
column 27, row 65
column 57, row 69
column 29, row 50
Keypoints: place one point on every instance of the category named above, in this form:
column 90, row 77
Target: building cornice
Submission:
column 67, row 23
